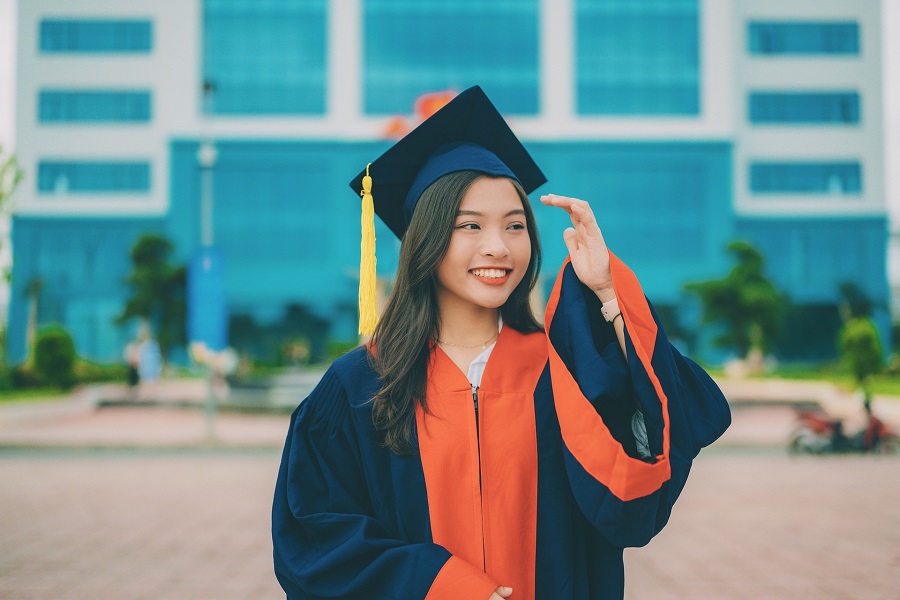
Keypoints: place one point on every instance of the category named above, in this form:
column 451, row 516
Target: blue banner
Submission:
column 207, row 310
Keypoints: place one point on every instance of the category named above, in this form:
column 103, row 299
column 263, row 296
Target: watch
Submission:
column 610, row 310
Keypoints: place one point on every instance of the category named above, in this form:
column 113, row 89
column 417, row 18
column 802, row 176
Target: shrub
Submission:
column 54, row 357
column 24, row 377
column 89, row 372
column 860, row 349
column 6, row 378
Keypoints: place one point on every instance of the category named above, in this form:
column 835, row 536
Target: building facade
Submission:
column 685, row 123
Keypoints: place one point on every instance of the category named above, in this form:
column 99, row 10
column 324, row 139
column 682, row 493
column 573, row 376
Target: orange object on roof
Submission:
column 428, row 104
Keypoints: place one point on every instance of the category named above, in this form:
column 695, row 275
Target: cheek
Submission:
column 523, row 251
column 452, row 261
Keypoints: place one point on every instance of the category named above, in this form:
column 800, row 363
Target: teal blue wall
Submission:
column 809, row 258
column 426, row 45
column 637, row 58
column 265, row 57
column 83, row 264
column 664, row 208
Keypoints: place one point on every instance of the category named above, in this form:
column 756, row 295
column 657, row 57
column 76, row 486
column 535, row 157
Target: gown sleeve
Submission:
column 326, row 542
column 624, row 493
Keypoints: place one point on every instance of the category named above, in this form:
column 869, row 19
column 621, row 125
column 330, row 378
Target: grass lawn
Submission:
column 885, row 383
column 31, row 395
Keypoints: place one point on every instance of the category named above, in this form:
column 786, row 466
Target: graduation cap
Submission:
column 468, row 134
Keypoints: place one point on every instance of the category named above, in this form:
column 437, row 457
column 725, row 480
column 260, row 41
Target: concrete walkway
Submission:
column 171, row 415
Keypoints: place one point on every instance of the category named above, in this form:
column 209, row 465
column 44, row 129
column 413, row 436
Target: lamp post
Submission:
column 206, row 158
column 207, row 310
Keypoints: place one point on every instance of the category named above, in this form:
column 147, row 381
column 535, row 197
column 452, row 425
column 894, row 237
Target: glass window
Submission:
column 637, row 58
column 413, row 47
column 802, row 38
column 95, row 36
column 265, row 57
column 274, row 231
column 92, row 177
column 811, row 107
column 93, row 106
column 806, row 178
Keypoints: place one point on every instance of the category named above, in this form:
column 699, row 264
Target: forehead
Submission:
column 491, row 195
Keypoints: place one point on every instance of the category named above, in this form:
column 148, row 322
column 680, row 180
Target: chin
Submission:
column 491, row 301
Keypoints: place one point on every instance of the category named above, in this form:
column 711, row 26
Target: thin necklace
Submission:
column 483, row 344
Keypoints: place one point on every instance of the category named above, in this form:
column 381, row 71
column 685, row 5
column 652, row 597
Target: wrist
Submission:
column 605, row 294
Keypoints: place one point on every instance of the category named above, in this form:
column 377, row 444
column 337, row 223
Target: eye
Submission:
column 516, row 226
column 471, row 226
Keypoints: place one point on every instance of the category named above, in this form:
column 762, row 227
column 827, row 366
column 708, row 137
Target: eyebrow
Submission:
column 475, row 213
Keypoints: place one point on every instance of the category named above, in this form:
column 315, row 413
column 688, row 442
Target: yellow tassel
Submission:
column 368, row 309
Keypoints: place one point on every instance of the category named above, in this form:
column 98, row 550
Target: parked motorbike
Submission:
column 819, row 433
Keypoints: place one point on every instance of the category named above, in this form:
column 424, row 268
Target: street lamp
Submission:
column 207, row 309
column 206, row 158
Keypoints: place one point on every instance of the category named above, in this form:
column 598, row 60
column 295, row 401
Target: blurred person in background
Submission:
column 132, row 359
column 149, row 362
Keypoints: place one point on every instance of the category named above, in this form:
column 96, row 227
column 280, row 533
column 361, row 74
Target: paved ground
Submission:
column 163, row 513
column 194, row 525
column 145, row 525
column 756, row 525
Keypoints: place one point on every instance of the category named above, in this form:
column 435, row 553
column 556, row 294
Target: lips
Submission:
column 491, row 276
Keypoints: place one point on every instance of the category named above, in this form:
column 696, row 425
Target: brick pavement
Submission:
column 193, row 524
column 762, row 525
column 145, row 525
column 163, row 512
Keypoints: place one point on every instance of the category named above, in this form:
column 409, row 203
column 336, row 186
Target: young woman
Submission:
column 467, row 451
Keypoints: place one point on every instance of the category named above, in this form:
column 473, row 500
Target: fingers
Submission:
column 570, row 237
column 504, row 592
column 564, row 202
column 578, row 210
column 584, row 230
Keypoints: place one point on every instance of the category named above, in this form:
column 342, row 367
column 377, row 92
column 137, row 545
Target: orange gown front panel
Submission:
column 489, row 522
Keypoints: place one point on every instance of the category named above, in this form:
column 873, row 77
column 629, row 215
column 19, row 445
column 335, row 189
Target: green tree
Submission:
column 861, row 352
column 745, row 301
column 157, row 291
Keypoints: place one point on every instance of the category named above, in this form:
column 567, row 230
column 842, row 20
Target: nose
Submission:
column 494, row 246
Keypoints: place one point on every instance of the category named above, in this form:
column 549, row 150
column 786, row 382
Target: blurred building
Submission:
column 686, row 123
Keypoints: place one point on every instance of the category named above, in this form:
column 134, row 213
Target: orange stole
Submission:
column 494, row 527
column 583, row 431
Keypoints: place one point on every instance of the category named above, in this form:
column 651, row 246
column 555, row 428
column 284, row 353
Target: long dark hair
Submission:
column 402, row 339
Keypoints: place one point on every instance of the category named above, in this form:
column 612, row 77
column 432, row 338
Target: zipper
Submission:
column 477, row 433
column 480, row 488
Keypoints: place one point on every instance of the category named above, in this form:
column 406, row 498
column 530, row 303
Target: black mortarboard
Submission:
column 466, row 134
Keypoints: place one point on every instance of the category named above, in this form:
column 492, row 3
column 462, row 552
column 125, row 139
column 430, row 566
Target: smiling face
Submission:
column 489, row 250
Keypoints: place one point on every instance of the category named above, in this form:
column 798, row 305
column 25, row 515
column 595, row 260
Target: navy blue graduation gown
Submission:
column 541, row 494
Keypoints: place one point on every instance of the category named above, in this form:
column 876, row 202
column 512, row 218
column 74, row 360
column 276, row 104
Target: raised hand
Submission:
column 500, row 593
column 590, row 257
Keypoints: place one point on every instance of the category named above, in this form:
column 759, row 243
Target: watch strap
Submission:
column 610, row 310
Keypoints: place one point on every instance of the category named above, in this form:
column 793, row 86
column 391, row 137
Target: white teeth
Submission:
column 490, row 273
